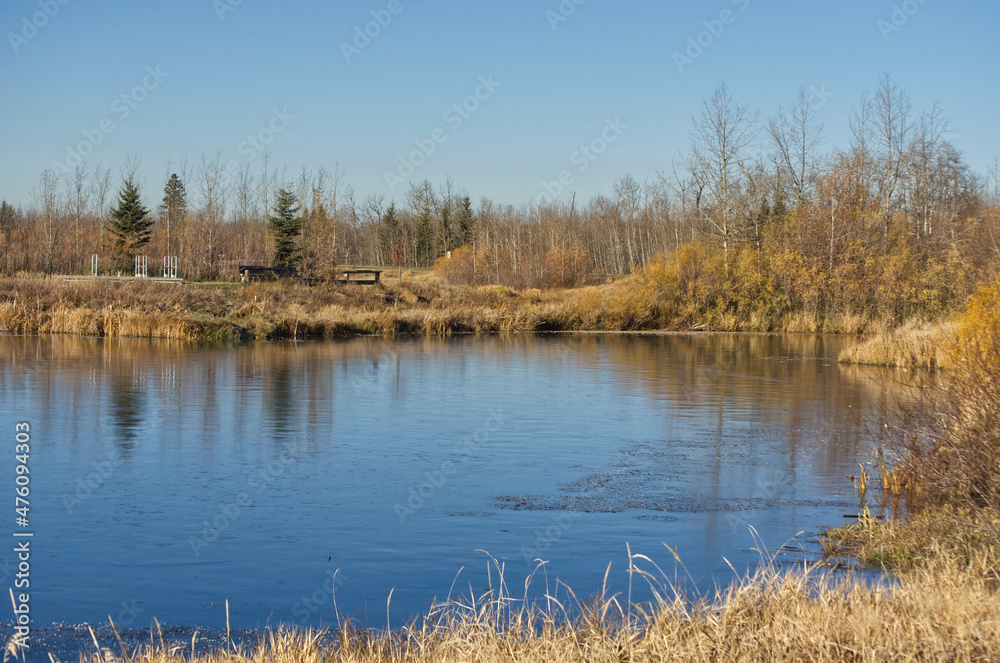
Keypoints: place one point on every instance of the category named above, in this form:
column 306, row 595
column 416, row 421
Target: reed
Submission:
column 652, row 299
column 915, row 344
column 943, row 611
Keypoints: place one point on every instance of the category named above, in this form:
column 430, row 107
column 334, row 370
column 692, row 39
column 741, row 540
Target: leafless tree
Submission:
column 891, row 113
column 77, row 201
column 795, row 138
column 46, row 197
column 724, row 134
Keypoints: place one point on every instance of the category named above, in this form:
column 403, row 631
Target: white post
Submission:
column 93, row 265
column 169, row 267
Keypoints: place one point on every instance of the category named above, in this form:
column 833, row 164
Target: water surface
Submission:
column 168, row 478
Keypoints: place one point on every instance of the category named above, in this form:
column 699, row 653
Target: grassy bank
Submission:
column 943, row 611
column 647, row 300
column 915, row 344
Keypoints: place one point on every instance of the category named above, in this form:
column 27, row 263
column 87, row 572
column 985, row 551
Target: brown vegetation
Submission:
column 692, row 289
column 915, row 344
column 937, row 613
column 938, row 463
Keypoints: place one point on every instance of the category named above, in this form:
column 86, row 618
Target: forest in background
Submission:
column 756, row 219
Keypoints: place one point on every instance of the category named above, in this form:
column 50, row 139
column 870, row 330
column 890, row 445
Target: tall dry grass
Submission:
column 690, row 290
column 915, row 344
column 940, row 612
column 948, row 442
column 939, row 455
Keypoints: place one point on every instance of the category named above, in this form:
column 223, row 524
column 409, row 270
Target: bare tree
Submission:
column 77, row 200
column 795, row 138
column 213, row 187
column 891, row 113
column 100, row 189
column 724, row 133
column 46, row 197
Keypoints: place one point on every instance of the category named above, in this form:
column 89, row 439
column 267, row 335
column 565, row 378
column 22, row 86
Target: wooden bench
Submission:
column 361, row 276
column 258, row 273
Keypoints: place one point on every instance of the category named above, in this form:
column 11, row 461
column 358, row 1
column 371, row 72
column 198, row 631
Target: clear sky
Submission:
column 168, row 80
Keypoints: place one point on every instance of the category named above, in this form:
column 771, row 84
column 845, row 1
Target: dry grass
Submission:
column 653, row 299
column 915, row 344
column 943, row 611
column 892, row 543
column 938, row 458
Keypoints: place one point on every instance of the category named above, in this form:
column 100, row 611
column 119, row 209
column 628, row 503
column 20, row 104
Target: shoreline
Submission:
column 237, row 313
column 940, row 611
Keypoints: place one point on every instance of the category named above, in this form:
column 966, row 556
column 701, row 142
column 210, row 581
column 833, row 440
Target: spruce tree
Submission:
column 424, row 238
column 444, row 232
column 130, row 223
column 6, row 215
column 465, row 223
column 389, row 231
column 287, row 227
column 394, row 238
column 174, row 204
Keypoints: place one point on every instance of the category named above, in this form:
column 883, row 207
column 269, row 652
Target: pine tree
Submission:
column 6, row 215
column 130, row 223
column 424, row 238
column 465, row 223
column 394, row 239
column 389, row 231
column 174, row 204
column 287, row 227
column 444, row 237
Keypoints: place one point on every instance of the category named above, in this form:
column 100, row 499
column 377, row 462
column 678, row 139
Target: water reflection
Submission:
column 251, row 473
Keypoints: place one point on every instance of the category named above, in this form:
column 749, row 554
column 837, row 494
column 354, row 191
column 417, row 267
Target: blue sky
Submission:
column 231, row 69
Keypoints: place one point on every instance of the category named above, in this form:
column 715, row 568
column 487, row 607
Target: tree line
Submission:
column 748, row 188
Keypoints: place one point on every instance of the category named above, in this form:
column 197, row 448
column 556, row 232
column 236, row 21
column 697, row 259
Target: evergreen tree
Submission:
column 287, row 227
column 424, row 238
column 6, row 215
column 394, row 239
column 389, row 231
column 780, row 209
column 174, row 204
column 6, row 222
column 444, row 232
column 130, row 223
column 465, row 223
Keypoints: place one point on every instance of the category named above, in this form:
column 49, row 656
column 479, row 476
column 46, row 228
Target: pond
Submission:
column 168, row 478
